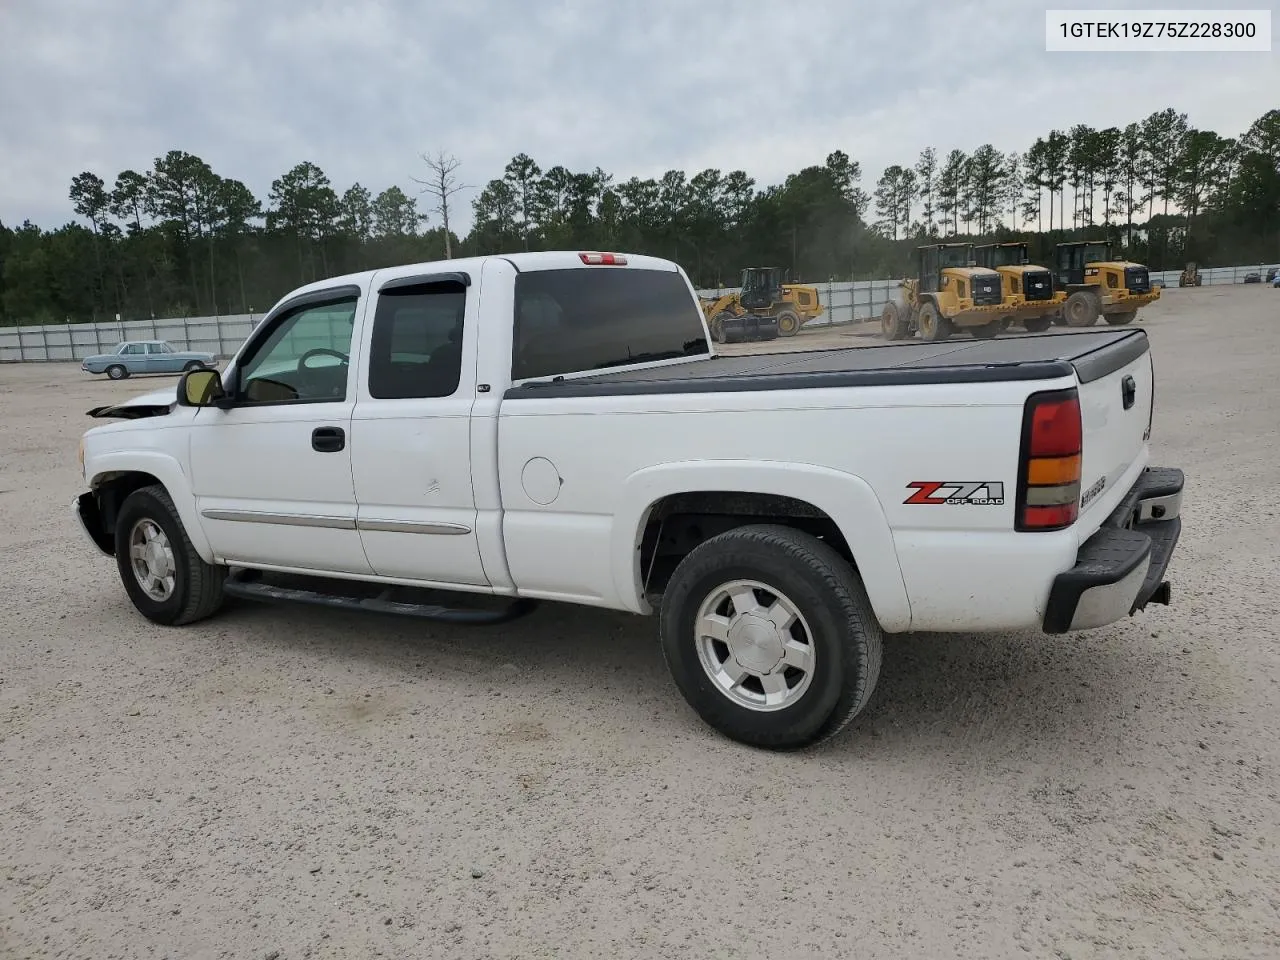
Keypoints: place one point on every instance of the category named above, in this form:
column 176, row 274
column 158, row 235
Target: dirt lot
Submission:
column 282, row 782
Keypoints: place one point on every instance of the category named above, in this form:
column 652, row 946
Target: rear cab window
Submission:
column 593, row 318
column 416, row 345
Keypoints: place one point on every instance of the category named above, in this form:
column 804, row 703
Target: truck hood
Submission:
column 155, row 404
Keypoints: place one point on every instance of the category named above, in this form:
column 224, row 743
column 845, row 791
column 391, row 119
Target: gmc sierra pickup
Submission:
column 558, row 426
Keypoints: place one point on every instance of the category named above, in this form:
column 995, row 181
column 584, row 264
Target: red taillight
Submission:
column 1049, row 465
column 605, row 259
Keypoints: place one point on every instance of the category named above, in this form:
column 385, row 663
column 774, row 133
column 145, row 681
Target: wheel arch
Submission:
column 728, row 493
column 113, row 478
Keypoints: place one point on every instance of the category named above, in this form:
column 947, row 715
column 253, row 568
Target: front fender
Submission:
column 169, row 472
column 847, row 499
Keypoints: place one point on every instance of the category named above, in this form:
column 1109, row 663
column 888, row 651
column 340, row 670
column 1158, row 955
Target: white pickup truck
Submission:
column 557, row 426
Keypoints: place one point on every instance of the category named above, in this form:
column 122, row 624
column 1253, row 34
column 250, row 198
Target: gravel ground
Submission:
column 283, row 782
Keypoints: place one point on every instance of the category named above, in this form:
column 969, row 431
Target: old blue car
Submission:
column 146, row 356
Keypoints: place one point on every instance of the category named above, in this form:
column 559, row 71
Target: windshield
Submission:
column 590, row 318
column 954, row 256
column 1008, row 256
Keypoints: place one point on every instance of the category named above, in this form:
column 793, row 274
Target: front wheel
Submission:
column 895, row 322
column 717, row 327
column 770, row 637
column 117, row 372
column 163, row 575
column 193, row 365
column 1120, row 319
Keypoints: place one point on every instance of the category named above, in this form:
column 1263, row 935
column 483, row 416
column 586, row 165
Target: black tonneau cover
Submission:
column 1090, row 354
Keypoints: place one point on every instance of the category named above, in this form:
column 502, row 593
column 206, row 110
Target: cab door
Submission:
column 272, row 474
column 411, row 432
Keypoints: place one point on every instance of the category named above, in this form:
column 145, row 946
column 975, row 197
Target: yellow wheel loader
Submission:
column 1190, row 276
column 949, row 292
column 765, row 293
column 1023, row 284
column 1097, row 285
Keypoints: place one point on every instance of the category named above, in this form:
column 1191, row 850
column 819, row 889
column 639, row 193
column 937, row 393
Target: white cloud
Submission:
column 362, row 88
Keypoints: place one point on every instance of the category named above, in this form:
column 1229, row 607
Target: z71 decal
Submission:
column 979, row 493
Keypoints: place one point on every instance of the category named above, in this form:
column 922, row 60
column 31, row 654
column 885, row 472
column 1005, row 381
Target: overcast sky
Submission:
column 362, row 88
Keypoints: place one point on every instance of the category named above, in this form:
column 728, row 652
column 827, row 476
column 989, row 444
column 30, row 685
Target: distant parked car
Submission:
column 146, row 356
column 1253, row 277
column 1271, row 274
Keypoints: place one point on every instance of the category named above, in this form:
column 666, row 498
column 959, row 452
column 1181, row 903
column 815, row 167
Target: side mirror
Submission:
column 200, row 388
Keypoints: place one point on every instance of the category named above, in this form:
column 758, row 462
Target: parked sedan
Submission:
column 146, row 356
column 1253, row 277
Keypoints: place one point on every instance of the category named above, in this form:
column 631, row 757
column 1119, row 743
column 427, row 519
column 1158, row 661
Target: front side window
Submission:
column 576, row 320
column 303, row 358
column 416, row 344
column 133, row 350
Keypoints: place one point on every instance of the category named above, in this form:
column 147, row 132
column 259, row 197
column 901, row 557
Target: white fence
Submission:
column 843, row 302
column 74, row 341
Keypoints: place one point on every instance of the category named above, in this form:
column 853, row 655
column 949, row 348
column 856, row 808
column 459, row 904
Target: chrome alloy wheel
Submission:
column 755, row 645
column 151, row 556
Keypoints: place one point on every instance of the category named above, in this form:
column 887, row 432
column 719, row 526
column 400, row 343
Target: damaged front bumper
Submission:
column 1121, row 568
column 89, row 518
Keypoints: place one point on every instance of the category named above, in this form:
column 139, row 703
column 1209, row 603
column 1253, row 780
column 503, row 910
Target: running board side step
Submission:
column 249, row 585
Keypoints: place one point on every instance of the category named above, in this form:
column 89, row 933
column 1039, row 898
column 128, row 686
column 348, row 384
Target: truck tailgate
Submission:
column 1116, row 404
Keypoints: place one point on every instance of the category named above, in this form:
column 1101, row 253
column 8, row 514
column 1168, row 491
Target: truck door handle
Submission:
column 1128, row 391
column 328, row 439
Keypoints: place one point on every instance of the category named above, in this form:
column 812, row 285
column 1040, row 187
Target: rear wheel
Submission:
column 895, row 322
column 1120, row 319
column 770, row 636
column 160, row 569
column 933, row 326
column 1037, row 324
column 117, row 372
column 1081, row 309
column 788, row 323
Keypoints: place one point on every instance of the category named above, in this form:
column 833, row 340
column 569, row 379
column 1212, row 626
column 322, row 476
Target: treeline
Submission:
column 180, row 239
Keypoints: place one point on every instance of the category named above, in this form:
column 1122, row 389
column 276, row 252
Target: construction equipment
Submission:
column 765, row 292
column 1097, row 285
column 1190, row 276
column 1022, row 284
column 949, row 291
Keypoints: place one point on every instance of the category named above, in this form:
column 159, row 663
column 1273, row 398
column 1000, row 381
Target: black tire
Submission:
column 845, row 636
column 1120, row 319
column 193, row 365
column 1081, row 309
column 117, row 372
column 1037, row 324
column 895, row 322
column 197, row 590
column 788, row 323
column 988, row 330
column 934, row 326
